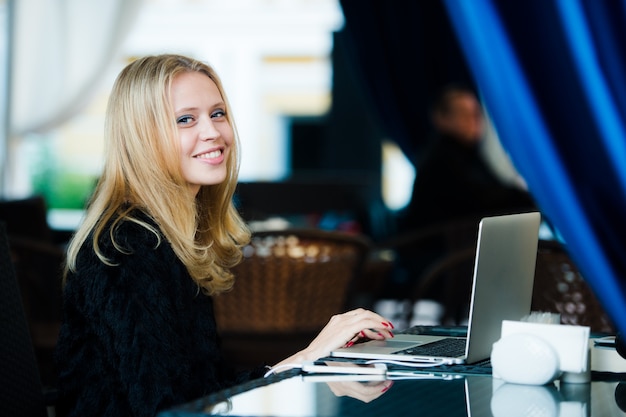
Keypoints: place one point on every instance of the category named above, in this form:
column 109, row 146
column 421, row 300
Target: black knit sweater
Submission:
column 137, row 337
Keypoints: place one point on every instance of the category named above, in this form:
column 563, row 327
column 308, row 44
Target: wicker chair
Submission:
column 560, row 288
column 287, row 287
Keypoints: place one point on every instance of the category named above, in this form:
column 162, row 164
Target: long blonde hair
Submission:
column 142, row 171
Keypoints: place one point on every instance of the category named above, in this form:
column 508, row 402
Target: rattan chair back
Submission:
column 291, row 281
column 560, row 288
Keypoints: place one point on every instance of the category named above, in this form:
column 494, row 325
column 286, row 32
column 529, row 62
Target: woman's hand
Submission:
column 344, row 330
column 362, row 391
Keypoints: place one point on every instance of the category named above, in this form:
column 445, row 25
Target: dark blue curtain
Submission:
column 553, row 76
column 403, row 53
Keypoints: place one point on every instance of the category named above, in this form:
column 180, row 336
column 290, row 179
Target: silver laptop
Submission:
column 504, row 271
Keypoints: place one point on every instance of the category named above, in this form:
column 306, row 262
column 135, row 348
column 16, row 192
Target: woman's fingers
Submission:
column 344, row 330
column 369, row 324
column 375, row 333
column 360, row 316
column 360, row 325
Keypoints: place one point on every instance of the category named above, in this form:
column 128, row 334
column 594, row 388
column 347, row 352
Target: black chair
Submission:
column 448, row 280
column 434, row 263
column 38, row 268
column 27, row 217
column 37, row 261
column 21, row 393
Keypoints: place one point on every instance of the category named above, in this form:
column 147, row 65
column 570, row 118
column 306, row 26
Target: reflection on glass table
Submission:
column 469, row 396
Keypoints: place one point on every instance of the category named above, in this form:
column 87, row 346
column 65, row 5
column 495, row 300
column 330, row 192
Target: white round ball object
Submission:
column 522, row 358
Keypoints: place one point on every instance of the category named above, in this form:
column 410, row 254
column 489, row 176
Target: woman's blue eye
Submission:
column 218, row 113
column 184, row 120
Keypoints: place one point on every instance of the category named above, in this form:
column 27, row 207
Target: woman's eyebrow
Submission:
column 185, row 110
column 195, row 108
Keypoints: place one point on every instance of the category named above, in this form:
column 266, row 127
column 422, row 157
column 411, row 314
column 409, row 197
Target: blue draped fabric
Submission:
column 553, row 77
column 404, row 52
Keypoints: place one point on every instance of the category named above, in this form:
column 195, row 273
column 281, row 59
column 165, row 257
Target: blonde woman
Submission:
column 157, row 242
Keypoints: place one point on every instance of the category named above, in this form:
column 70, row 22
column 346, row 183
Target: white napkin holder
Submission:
column 537, row 353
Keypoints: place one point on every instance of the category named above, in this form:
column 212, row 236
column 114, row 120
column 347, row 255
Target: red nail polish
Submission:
column 385, row 324
column 349, row 344
column 362, row 333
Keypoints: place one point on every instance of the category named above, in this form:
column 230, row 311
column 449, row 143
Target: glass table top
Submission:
column 328, row 396
column 466, row 393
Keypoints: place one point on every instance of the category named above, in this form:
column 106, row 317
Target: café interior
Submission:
column 325, row 238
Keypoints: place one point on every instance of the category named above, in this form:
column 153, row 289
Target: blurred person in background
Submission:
column 453, row 180
column 454, row 188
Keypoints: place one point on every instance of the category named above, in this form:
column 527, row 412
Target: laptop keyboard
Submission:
column 449, row 347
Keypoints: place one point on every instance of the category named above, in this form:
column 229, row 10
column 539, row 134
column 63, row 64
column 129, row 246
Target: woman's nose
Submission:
column 208, row 131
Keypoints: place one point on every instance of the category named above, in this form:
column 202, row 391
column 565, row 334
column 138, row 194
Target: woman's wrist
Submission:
column 305, row 355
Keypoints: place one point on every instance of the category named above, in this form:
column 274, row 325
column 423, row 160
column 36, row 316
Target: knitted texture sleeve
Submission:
column 139, row 336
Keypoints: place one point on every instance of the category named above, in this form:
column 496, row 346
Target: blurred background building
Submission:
column 300, row 109
column 275, row 58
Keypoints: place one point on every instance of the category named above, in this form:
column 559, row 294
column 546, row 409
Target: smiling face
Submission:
column 205, row 133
